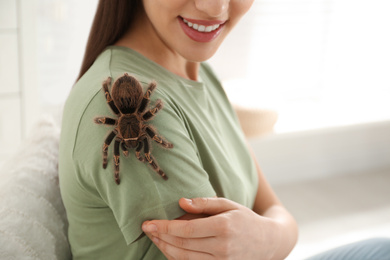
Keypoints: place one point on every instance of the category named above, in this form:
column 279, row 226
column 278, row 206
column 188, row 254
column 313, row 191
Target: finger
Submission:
column 189, row 216
column 206, row 245
column 209, row 206
column 156, row 242
column 179, row 253
column 197, row 228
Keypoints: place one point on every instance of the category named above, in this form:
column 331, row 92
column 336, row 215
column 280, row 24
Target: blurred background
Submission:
column 309, row 80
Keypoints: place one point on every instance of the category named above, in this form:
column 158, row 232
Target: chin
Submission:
column 199, row 56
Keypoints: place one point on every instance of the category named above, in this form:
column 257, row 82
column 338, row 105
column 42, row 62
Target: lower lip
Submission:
column 199, row 36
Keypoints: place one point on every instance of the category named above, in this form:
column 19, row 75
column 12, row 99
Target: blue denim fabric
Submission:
column 372, row 249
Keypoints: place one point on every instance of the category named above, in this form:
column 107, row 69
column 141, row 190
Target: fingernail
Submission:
column 189, row 201
column 149, row 228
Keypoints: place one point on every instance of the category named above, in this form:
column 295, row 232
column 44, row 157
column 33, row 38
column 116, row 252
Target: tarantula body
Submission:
column 129, row 103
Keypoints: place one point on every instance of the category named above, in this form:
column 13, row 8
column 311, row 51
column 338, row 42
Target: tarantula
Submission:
column 129, row 103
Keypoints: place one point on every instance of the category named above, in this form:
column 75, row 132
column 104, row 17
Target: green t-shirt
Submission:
column 209, row 158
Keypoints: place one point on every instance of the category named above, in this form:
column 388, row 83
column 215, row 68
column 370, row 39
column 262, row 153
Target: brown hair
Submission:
column 112, row 19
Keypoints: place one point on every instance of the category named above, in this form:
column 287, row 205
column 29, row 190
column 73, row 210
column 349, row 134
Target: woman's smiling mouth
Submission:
column 201, row 30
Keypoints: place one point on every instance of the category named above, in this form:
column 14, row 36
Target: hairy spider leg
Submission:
column 105, row 121
column 146, row 99
column 116, row 160
column 152, row 112
column 106, row 144
column 152, row 161
column 138, row 150
column 156, row 138
column 109, row 99
column 124, row 148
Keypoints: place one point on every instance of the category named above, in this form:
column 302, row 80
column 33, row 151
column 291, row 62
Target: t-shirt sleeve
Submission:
column 142, row 193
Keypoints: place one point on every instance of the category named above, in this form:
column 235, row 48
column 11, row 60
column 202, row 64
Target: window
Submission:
column 62, row 29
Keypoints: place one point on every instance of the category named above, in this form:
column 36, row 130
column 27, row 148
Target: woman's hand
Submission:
column 231, row 231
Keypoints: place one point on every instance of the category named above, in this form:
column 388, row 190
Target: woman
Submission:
column 232, row 211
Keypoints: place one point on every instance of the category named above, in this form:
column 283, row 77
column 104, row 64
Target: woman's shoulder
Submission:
column 88, row 100
column 88, row 94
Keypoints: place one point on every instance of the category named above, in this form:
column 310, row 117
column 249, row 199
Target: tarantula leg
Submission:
column 106, row 144
column 146, row 99
column 116, row 160
column 152, row 161
column 137, row 152
column 152, row 112
column 105, row 121
column 157, row 138
column 124, row 148
column 109, row 99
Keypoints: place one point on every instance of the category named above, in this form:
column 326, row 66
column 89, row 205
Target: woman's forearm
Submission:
column 284, row 230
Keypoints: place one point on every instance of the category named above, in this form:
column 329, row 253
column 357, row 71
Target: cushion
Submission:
column 33, row 222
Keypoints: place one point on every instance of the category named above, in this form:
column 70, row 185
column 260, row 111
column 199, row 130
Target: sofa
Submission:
column 33, row 222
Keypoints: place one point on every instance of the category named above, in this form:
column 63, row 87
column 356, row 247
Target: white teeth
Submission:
column 209, row 28
column 201, row 28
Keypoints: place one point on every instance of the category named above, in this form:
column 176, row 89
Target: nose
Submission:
column 213, row 8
